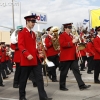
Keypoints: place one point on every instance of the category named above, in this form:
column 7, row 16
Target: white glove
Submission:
column 75, row 40
column 87, row 54
column 29, row 57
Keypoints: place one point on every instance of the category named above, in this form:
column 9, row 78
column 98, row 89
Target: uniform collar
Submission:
column 28, row 29
column 98, row 35
column 67, row 33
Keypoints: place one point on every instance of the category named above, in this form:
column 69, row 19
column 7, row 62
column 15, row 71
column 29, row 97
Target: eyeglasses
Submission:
column 33, row 21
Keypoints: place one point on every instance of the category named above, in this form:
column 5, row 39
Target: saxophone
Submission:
column 55, row 39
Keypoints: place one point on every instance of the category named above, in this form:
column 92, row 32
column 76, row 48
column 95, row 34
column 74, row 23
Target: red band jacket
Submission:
column 27, row 46
column 67, row 48
column 16, row 53
column 96, row 43
column 3, row 54
column 50, row 49
column 90, row 49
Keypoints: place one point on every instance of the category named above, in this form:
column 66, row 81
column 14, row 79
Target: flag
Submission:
column 85, row 21
column 95, row 17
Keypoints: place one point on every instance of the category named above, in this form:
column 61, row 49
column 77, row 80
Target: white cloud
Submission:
column 58, row 11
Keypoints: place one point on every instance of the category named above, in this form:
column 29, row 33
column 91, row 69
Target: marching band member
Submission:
column 52, row 55
column 29, row 60
column 96, row 43
column 8, row 58
column 16, row 59
column 84, row 58
column 83, row 52
column 68, row 58
column 90, row 52
column 3, row 61
column 41, row 54
column 1, row 81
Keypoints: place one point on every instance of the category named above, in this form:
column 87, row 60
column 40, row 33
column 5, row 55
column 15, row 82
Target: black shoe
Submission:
column 34, row 84
column 54, row 80
column 84, row 87
column 2, row 85
column 12, row 71
column 98, row 82
column 89, row 72
column 64, row 89
column 49, row 76
column 82, row 70
column 23, row 99
column 9, row 73
column 15, row 86
column 46, row 98
column 80, row 73
column 5, row 77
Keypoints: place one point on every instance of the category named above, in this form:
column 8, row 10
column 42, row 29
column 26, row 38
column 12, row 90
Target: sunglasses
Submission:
column 33, row 21
column 70, row 27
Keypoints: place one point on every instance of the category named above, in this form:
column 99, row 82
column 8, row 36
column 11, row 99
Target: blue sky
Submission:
column 95, row 2
column 58, row 11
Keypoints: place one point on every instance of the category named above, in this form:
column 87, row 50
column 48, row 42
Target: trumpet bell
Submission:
column 54, row 29
column 13, row 37
column 49, row 63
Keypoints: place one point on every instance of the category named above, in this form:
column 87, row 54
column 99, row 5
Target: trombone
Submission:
column 46, row 61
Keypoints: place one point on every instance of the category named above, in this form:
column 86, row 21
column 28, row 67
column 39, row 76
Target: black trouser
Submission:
column 12, row 63
column 17, row 74
column 1, row 81
column 25, row 72
column 3, row 65
column 32, row 78
column 52, row 70
column 96, row 70
column 64, row 67
column 9, row 64
column 84, row 58
column 90, row 63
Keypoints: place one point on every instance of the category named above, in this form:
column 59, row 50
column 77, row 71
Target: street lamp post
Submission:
column 13, row 14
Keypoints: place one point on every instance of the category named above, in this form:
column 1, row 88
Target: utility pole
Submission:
column 20, row 23
column 13, row 14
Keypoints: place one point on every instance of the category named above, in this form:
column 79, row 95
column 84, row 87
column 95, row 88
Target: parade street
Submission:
column 10, row 93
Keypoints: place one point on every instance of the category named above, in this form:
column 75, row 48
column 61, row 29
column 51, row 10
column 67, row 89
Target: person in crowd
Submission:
column 1, row 81
column 52, row 54
column 96, row 43
column 29, row 60
column 68, row 58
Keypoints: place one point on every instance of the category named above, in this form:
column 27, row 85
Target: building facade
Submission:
column 5, row 37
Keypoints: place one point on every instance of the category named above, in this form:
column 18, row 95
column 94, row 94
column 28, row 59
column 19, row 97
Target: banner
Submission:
column 95, row 18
